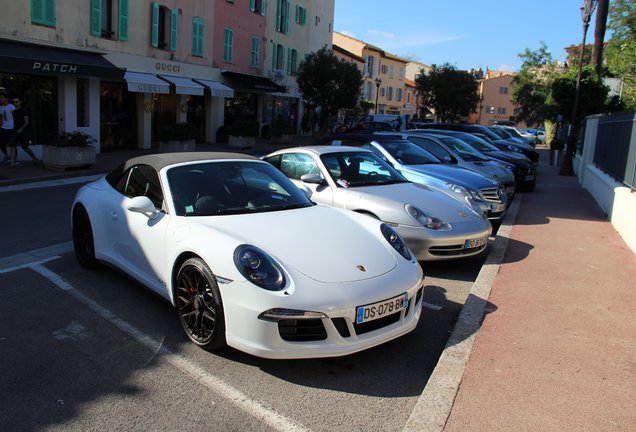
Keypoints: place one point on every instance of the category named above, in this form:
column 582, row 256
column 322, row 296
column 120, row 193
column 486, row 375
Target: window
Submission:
column 103, row 13
column 390, row 71
column 501, row 110
column 370, row 66
column 401, row 76
column 292, row 61
column 382, row 91
column 389, row 95
column 278, row 57
column 228, row 42
column 398, row 96
column 384, row 69
column 43, row 12
column 164, row 27
column 282, row 16
column 141, row 180
column 432, row 147
column 257, row 6
column 503, row 90
column 255, row 48
column 490, row 109
column 408, row 97
column 301, row 15
column 197, row 36
column 317, row 20
column 296, row 165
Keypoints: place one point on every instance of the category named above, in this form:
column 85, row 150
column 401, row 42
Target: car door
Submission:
column 138, row 240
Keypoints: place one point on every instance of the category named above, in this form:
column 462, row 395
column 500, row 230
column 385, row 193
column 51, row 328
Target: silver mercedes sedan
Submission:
column 434, row 225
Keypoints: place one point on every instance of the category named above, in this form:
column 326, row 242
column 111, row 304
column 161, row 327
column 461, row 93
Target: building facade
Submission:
column 495, row 99
column 119, row 70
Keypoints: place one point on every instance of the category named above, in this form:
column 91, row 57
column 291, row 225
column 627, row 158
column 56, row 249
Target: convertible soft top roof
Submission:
column 161, row 160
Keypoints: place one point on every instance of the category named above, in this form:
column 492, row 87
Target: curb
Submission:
column 436, row 401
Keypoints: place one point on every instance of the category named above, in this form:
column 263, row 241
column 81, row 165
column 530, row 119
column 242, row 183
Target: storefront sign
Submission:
column 166, row 67
column 149, row 88
column 54, row 67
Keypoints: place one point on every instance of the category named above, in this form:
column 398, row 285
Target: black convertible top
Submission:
column 161, row 160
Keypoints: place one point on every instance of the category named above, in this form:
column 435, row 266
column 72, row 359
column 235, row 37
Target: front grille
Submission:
column 377, row 324
column 302, row 330
column 454, row 250
column 418, row 296
column 491, row 195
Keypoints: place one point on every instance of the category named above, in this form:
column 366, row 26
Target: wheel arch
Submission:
column 183, row 257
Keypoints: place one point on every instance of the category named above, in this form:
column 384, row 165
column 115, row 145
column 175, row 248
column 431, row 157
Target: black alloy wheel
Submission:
column 199, row 305
column 83, row 244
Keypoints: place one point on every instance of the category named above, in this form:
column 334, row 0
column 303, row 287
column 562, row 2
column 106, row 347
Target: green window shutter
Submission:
column 174, row 28
column 49, row 12
column 297, row 57
column 255, row 49
column 281, row 61
column 289, row 61
column 279, row 16
column 253, row 5
column 297, row 17
column 96, row 17
column 155, row 25
column 37, row 11
column 287, row 13
column 304, row 18
column 123, row 19
column 263, row 7
column 197, row 36
column 228, row 38
column 274, row 56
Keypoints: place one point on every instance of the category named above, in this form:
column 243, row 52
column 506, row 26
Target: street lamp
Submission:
column 567, row 168
column 378, row 83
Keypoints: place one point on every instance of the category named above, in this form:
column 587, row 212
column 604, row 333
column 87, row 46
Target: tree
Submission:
column 620, row 54
column 599, row 35
column 451, row 93
column 592, row 91
column 531, row 86
column 329, row 84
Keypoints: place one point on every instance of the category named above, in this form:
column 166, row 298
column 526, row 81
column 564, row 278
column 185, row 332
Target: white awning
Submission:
column 139, row 82
column 184, row 85
column 217, row 89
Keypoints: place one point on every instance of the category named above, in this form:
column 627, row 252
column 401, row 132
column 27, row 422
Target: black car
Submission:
column 499, row 142
column 525, row 170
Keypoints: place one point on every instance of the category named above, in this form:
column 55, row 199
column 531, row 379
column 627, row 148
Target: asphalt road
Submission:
column 82, row 350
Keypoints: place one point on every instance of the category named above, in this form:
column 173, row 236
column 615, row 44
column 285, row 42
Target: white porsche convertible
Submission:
column 246, row 258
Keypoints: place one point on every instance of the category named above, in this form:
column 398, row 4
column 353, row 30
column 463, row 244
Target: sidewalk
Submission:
column 557, row 348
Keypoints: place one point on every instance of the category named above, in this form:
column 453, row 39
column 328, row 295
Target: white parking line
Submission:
column 254, row 408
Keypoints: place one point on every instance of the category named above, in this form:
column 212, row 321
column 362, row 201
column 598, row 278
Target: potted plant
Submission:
column 243, row 133
column 69, row 150
column 281, row 131
column 177, row 137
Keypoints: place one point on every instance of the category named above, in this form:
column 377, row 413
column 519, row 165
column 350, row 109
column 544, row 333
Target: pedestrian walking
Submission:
column 21, row 126
column 6, row 131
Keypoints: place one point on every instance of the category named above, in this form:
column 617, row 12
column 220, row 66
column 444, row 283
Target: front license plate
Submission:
column 381, row 309
column 475, row 243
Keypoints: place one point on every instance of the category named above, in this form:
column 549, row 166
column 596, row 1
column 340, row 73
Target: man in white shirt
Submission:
column 6, row 132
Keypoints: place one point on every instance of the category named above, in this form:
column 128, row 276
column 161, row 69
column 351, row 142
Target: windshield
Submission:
column 478, row 143
column 352, row 169
column 465, row 151
column 501, row 132
column 407, row 153
column 232, row 187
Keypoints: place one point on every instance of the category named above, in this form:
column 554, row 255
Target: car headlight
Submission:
column 505, row 165
column 259, row 268
column 395, row 240
column 428, row 221
column 471, row 197
column 514, row 149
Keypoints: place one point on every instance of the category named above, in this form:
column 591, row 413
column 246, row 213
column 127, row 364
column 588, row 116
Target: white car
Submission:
column 246, row 258
column 434, row 225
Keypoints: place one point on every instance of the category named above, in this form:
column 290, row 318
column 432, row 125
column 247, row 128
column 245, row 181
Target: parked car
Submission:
column 434, row 225
column 499, row 141
column 524, row 170
column 370, row 127
column 246, row 258
column 419, row 166
column 454, row 151
column 516, row 133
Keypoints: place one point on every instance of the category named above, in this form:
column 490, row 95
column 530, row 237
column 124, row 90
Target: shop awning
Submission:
column 216, row 88
column 184, row 85
column 140, row 82
column 20, row 57
column 252, row 83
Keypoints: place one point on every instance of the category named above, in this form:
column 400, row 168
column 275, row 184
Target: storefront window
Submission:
column 164, row 112
column 118, row 125
column 241, row 106
column 39, row 95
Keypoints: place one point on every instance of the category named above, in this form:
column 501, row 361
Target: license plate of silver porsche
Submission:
column 469, row 244
column 381, row 309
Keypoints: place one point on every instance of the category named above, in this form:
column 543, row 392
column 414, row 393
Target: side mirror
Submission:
column 312, row 179
column 142, row 204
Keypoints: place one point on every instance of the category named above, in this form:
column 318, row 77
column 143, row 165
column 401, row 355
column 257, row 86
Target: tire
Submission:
column 83, row 243
column 199, row 305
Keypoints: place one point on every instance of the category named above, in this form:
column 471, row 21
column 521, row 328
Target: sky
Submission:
column 467, row 34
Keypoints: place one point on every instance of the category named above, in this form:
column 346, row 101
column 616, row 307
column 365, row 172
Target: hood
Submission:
column 388, row 203
column 323, row 243
column 493, row 170
column 453, row 174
